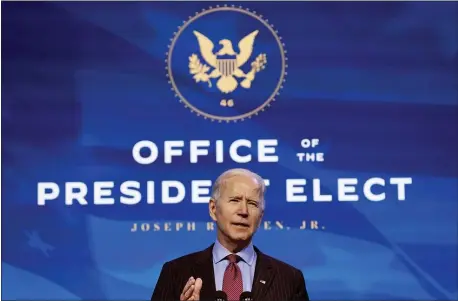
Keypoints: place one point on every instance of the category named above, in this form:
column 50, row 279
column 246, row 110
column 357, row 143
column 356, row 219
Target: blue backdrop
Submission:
column 375, row 83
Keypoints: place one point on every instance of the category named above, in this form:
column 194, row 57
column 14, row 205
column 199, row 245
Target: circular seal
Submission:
column 226, row 63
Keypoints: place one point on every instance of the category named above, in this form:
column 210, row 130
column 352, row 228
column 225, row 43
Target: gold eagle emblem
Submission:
column 226, row 62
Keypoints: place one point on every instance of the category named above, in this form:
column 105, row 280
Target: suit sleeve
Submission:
column 300, row 293
column 164, row 288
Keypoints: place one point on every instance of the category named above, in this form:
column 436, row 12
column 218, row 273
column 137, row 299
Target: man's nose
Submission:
column 243, row 208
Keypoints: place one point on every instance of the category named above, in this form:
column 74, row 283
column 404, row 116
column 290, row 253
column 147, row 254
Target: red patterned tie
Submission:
column 232, row 281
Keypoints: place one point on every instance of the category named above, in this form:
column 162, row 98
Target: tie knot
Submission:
column 233, row 258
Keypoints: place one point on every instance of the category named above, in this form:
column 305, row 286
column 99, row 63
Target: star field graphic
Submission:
column 375, row 82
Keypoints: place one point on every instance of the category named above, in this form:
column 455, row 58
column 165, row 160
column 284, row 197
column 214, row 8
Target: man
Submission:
column 232, row 264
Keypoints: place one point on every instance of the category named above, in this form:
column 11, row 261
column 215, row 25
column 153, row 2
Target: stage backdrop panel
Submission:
column 117, row 117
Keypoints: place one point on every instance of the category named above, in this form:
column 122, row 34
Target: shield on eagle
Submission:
column 226, row 66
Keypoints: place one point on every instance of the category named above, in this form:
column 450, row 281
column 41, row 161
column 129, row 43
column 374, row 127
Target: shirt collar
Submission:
column 220, row 252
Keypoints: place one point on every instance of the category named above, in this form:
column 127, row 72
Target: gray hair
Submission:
column 217, row 185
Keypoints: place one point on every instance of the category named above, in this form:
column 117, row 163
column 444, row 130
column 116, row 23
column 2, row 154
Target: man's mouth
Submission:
column 241, row 225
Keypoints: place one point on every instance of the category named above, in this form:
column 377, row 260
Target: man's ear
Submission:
column 260, row 218
column 212, row 209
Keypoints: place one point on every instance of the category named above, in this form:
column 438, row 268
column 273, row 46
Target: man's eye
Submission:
column 254, row 204
column 234, row 200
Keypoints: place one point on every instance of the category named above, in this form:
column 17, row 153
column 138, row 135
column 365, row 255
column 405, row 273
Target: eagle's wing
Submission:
column 246, row 48
column 206, row 48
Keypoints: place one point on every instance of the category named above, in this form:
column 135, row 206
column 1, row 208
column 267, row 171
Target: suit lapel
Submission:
column 263, row 275
column 203, row 268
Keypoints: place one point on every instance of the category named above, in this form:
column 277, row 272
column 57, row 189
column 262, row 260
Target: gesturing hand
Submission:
column 191, row 290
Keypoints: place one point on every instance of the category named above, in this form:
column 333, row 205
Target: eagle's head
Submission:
column 225, row 42
column 227, row 48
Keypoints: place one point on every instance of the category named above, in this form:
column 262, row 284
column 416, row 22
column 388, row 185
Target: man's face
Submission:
column 238, row 211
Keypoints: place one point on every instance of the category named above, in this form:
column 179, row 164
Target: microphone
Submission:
column 220, row 296
column 246, row 296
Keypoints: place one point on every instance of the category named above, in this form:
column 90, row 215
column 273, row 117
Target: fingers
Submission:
column 188, row 289
column 189, row 284
column 197, row 287
column 191, row 290
column 188, row 293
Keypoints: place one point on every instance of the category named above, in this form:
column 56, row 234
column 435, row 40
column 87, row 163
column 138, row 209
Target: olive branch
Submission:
column 199, row 70
column 257, row 65
column 260, row 62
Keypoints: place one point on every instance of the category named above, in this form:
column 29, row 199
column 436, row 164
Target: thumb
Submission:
column 197, row 288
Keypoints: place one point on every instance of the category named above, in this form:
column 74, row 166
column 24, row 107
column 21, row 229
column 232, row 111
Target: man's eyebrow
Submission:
column 238, row 197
